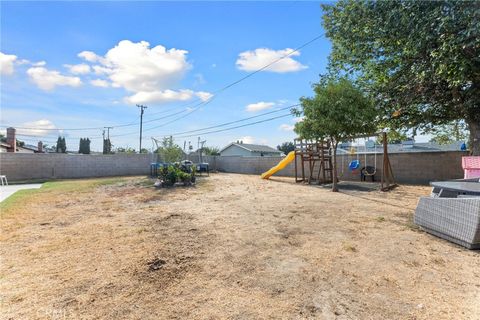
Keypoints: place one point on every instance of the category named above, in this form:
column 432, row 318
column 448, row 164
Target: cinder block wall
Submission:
column 24, row 166
column 413, row 168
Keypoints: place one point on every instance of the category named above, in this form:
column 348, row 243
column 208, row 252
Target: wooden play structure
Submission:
column 317, row 155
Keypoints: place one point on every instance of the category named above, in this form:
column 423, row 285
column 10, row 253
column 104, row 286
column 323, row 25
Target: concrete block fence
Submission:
column 412, row 168
column 25, row 166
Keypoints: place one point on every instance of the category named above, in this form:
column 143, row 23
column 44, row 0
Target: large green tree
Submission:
column 338, row 112
column 420, row 60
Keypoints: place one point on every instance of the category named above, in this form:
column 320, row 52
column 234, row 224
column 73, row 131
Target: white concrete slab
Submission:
column 7, row 191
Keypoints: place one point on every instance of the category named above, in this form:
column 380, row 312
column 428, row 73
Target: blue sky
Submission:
column 86, row 64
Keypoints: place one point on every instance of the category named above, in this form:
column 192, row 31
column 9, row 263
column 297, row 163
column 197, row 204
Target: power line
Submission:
column 233, row 122
column 196, row 130
column 251, row 74
column 197, row 106
column 236, row 127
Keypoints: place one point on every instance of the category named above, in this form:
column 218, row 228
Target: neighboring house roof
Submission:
column 399, row 148
column 29, row 147
column 253, row 147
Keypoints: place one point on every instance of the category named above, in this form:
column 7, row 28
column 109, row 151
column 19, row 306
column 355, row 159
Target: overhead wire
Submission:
column 188, row 110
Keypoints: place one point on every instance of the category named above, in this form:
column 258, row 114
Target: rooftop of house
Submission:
column 398, row 148
column 253, row 147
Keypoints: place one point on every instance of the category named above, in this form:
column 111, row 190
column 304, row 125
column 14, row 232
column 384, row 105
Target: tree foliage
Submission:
column 19, row 142
column 338, row 112
column 286, row 147
column 84, row 146
column 107, row 146
column 393, row 136
column 61, row 146
column 169, row 151
column 420, row 60
column 211, row 151
column 128, row 150
column 449, row 133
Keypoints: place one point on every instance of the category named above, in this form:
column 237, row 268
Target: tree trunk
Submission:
column 334, row 169
column 474, row 127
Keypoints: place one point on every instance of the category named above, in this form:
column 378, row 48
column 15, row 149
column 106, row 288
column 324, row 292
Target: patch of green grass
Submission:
column 380, row 219
column 58, row 186
column 18, row 197
column 80, row 184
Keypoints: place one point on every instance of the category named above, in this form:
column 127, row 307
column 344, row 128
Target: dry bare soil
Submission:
column 233, row 247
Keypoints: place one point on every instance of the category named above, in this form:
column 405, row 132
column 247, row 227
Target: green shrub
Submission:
column 171, row 175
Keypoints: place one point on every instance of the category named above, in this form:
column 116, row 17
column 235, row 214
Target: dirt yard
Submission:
column 233, row 247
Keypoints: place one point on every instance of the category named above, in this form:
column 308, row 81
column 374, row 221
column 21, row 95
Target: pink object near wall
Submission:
column 471, row 167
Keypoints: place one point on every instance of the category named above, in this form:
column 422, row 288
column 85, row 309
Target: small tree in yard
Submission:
column 169, row 151
column 338, row 112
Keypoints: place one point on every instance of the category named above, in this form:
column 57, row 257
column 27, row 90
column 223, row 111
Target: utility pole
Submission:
column 106, row 146
column 108, row 132
column 142, row 109
column 202, row 143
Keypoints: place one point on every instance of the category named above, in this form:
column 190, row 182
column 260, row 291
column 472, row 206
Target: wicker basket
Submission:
column 453, row 219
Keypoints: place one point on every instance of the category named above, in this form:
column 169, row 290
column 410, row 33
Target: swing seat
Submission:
column 354, row 165
column 368, row 171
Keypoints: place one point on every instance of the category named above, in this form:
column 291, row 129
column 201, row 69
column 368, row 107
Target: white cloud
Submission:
column 298, row 119
column 101, row 70
column 136, row 67
column 7, row 63
column 99, row 83
column 89, row 56
column 204, row 96
column 148, row 73
column 254, row 107
column 166, row 96
column 22, row 62
column 40, row 126
column 81, row 68
column 48, row 79
column 258, row 58
column 286, row 127
column 39, row 63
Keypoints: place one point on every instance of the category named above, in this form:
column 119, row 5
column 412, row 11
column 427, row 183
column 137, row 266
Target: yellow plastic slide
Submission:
column 282, row 164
